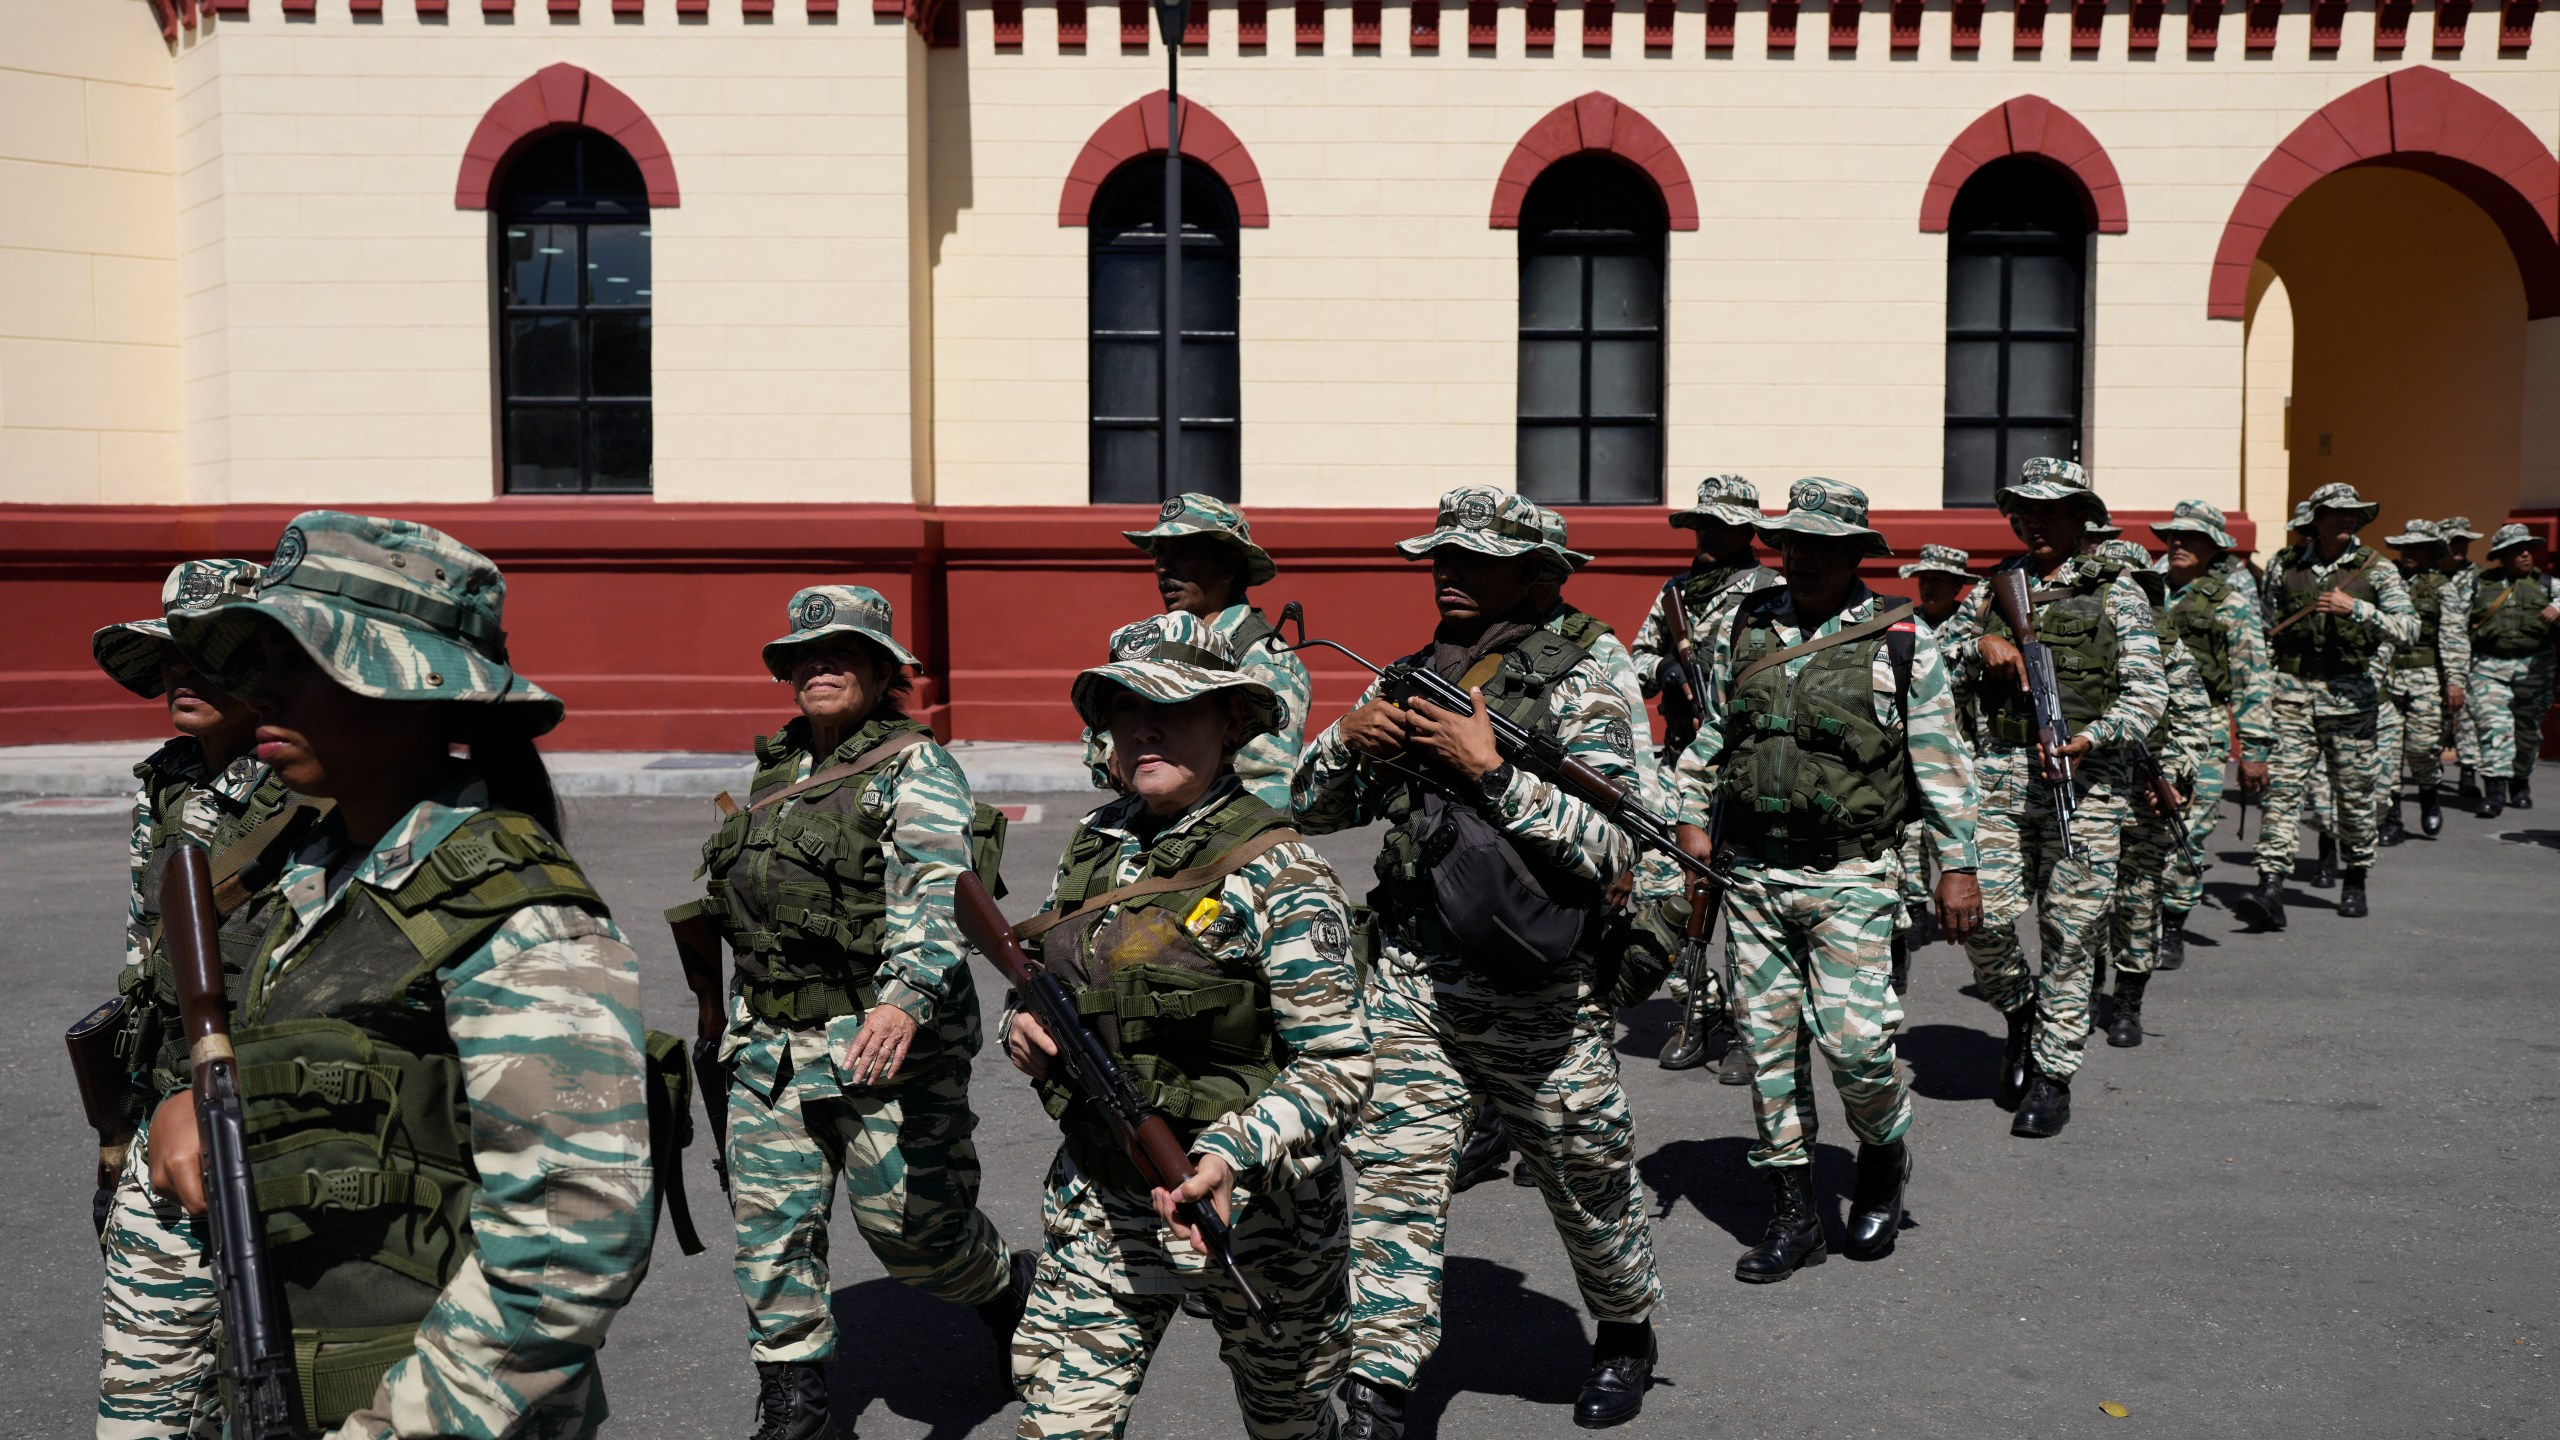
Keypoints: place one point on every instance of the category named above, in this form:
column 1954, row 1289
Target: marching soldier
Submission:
column 2107, row 662
column 1816, row 887
column 1260, row 1067
column 2333, row 605
column 2462, row 578
column 2511, row 622
column 852, row 1015
column 2423, row 683
column 2317, row 811
column 2212, row 611
column 1940, row 575
column 1480, row 983
column 441, row 969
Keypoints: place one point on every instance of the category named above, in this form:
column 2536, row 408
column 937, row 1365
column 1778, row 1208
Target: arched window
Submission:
column 1591, row 265
column 1124, row 297
column 2017, row 288
column 573, row 318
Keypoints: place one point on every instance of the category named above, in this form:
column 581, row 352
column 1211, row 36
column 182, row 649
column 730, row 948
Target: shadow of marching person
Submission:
column 887, row 1333
column 1648, row 1027
column 1501, row 1338
column 1951, row 1062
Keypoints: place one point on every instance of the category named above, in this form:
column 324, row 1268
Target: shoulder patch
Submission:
column 1332, row 937
column 1621, row 737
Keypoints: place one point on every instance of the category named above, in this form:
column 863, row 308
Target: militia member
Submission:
column 1205, row 560
column 2511, row 622
column 2462, row 577
column 1234, row 1000
column 2334, row 604
column 2421, row 683
column 852, row 1014
column 1814, row 821
column 1481, row 984
column 2107, row 661
column 1940, row 575
column 2213, row 612
column 440, row 965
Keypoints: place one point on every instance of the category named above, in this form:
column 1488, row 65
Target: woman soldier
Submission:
column 852, row 1018
column 441, row 972
column 1230, row 996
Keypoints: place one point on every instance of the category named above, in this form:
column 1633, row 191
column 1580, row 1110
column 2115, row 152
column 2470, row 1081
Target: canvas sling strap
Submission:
column 1842, row 636
column 2498, row 604
column 231, row 886
column 1191, row 879
column 830, row 775
column 2361, row 566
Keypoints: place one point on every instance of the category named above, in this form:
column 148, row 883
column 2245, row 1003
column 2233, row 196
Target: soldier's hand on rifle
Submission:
column 1620, row 891
column 1464, row 743
column 1213, row 1180
column 2253, row 777
column 1959, row 905
column 2074, row 749
column 881, row 1047
column 1376, row 729
column 2334, row 602
column 1693, row 840
column 1028, row 1046
column 175, row 1152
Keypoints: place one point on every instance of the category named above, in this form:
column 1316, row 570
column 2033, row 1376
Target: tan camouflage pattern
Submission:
column 1729, row 498
column 2143, row 869
column 156, row 1376
column 2509, row 696
column 133, row 652
column 2331, row 724
column 1268, row 762
column 822, row 611
column 1817, row 505
column 2251, row 712
column 208, row 801
column 1488, row 522
column 1940, row 560
column 2459, row 587
column 1193, row 513
column 1814, row 954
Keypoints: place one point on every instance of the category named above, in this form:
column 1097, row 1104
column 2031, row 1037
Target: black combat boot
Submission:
column 2264, row 906
column 1735, row 1068
column 1687, row 1047
column 1875, row 1206
column 2394, row 829
column 1371, row 1411
column 791, row 1400
column 2468, row 792
column 1487, row 1151
column 1901, row 978
column 2351, row 901
column 1003, row 1315
column 2520, row 793
column 2124, row 1026
column 1794, row 1237
column 2324, row 871
column 2173, row 940
column 2014, row 1068
column 2493, row 797
column 2430, row 813
column 1621, row 1367
column 2045, row 1111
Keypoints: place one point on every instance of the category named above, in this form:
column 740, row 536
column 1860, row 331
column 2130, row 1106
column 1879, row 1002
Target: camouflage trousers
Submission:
column 2408, row 729
column 2142, row 869
column 1097, row 1314
column 2022, row 862
column 1814, row 950
column 2322, row 735
column 910, row 1172
column 1915, row 851
column 2466, row 729
column 155, row 1363
column 2182, row 888
column 2508, row 698
column 1546, row 1061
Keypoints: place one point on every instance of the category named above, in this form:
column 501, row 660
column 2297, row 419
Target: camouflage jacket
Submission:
column 2252, row 667
column 1267, row 762
column 2459, row 588
column 2142, row 686
column 209, row 800
column 1652, row 650
column 2193, row 721
column 1941, row 761
column 2395, row 617
column 546, row 1017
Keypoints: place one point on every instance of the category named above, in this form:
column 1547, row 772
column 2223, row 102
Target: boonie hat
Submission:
column 1551, row 526
column 2339, row 495
column 389, row 609
column 1488, row 522
column 1728, row 498
column 2046, row 478
column 1940, row 560
column 2457, row 527
column 2103, row 530
column 132, row 653
column 2301, row 517
column 2197, row 517
column 2417, row 532
column 1168, row 659
column 824, row 610
column 1817, row 505
column 2128, row 558
column 1192, row 513
column 2510, row 536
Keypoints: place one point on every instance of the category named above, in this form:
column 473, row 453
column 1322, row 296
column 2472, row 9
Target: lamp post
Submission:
column 1172, row 16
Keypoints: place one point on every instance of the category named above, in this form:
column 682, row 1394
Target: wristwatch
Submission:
column 1495, row 781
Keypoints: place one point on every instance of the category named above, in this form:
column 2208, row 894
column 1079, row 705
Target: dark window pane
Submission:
column 1124, row 466
column 1551, row 463
column 539, row 263
column 542, row 449
column 1126, row 287
column 2044, row 293
column 1126, row 383
column 617, row 264
column 2016, row 283
column 1209, row 379
column 1626, row 292
column 1973, row 378
column 542, row 356
column 621, row 356
column 2062, row 442
column 1125, row 278
column 1973, row 464
column 1973, row 292
column 1208, row 290
column 1206, row 455
column 618, row 447
column 1626, row 465
column 2041, row 382
column 1551, row 292
column 1551, row 377
column 1624, row 380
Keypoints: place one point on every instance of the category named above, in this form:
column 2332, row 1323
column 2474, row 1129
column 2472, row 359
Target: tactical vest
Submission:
column 1195, row 1035
column 169, row 792
column 2194, row 619
column 1701, row 588
column 2073, row 623
column 1810, row 776
column 2426, row 592
column 2321, row 647
column 1582, row 628
column 1249, row 632
column 2516, row 628
column 359, row 1127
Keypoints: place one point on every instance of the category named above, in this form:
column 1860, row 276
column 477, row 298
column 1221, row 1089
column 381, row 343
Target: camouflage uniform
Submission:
column 1112, row 1274
column 2185, row 737
column 1438, row 1028
column 2511, row 661
column 550, row 1198
column 792, row 891
column 2327, row 722
column 2240, row 689
column 1917, row 851
column 2462, row 580
column 2411, row 719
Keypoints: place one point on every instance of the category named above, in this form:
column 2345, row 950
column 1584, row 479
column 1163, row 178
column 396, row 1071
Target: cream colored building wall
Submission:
column 89, row 329
column 1806, row 319
column 2266, row 466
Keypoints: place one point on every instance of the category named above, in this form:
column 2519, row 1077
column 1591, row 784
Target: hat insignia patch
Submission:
column 815, row 611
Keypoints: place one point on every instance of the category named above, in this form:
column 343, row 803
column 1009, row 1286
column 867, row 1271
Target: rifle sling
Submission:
column 1842, row 636
column 2361, row 566
column 848, row 769
column 2498, row 604
column 1191, row 879
column 230, row 891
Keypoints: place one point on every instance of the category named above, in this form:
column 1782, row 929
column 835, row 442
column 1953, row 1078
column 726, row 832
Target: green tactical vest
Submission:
column 2426, row 589
column 1249, row 633
column 1582, row 628
column 1195, row 1036
column 2517, row 629
column 2194, row 620
column 2072, row 621
column 169, row 791
column 1810, row 777
column 2321, row 647
column 358, row 1124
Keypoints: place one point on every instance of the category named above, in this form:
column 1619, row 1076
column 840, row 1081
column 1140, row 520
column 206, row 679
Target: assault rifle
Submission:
column 1094, row 1076
column 1683, row 677
column 108, row 1095
column 1714, row 997
column 2044, row 697
column 257, row 1344
column 1541, row 755
column 2150, row 779
column 698, row 951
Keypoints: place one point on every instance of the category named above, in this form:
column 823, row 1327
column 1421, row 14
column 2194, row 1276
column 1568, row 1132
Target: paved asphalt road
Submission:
column 2320, row 1202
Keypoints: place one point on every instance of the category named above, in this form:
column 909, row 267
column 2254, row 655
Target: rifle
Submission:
column 2044, row 697
column 698, row 951
column 2149, row 778
column 1684, row 677
column 1096, row 1079
column 1697, row 959
column 108, row 1095
column 257, row 1344
column 1541, row 755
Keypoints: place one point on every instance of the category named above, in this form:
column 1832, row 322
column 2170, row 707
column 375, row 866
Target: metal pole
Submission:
column 1172, row 16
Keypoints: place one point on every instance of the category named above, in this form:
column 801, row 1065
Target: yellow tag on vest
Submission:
column 1203, row 915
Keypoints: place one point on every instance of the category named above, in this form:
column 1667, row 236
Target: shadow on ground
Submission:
column 882, row 1328
column 1538, row 1354
column 1951, row 1062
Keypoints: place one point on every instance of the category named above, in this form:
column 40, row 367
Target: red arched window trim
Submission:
column 1138, row 129
column 2029, row 125
column 557, row 97
column 1595, row 122
column 2417, row 119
